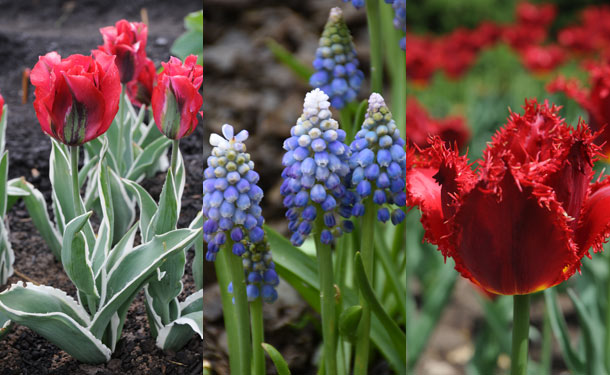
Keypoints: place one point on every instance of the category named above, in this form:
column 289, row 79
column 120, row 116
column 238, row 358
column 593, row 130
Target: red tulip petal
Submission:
column 86, row 94
column 516, row 241
column 594, row 225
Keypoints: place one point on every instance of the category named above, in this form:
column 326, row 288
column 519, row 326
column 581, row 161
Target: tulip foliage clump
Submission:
column 88, row 103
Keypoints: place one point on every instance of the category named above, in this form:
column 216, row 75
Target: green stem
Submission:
column 367, row 253
column 374, row 26
column 327, row 297
column 241, row 316
column 223, row 274
column 75, row 185
column 345, row 115
column 121, row 125
column 258, row 337
column 607, row 343
column 547, row 344
column 175, row 148
column 521, row 325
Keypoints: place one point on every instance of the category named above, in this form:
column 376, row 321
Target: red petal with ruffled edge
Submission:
column 594, row 225
column 514, row 241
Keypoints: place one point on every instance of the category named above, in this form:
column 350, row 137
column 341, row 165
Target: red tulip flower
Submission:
column 1, row 106
column 542, row 59
column 76, row 97
column 595, row 101
column 176, row 99
column 127, row 41
column 525, row 218
column 140, row 89
column 420, row 126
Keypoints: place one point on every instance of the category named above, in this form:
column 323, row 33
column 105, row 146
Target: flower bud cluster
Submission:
column 378, row 163
column 336, row 65
column 261, row 277
column 316, row 165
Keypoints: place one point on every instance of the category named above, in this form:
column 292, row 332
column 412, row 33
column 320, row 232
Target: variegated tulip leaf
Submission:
column 123, row 206
column 75, row 257
column 57, row 317
column 147, row 206
column 147, row 158
column 7, row 257
column 3, row 183
column 166, row 217
column 198, row 259
column 176, row 334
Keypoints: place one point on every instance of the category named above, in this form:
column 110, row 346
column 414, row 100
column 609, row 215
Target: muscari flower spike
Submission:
column 231, row 206
column 356, row 3
column 336, row 65
column 316, row 165
column 378, row 163
column 400, row 18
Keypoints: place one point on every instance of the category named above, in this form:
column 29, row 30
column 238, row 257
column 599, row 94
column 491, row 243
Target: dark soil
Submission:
column 31, row 28
column 247, row 88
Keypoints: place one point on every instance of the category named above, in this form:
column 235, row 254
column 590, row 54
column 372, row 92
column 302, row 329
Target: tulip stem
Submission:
column 327, row 297
column 258, row 334
column 374, row 26
column 367, row 252
column 521, row 325
column 240, row 316
column 75, row 185
column 175, row 149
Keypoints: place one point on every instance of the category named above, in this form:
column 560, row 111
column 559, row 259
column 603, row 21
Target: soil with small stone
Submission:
column 31, row 28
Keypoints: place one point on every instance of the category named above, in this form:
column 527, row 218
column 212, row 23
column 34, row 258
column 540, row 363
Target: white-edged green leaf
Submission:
column 61, row 180
column 122, row 247
column 147, row 205
column 123, row 206
column 75, row 256
column 197, row 266
column 166, row 217
column 148, row 157
column 37, row 209
column 4, row 111
column 84, row 171
column 57, row 317
column 3, row 183
column 176, row 334
column 133, row 269
column 7, row 257
column 5, row 325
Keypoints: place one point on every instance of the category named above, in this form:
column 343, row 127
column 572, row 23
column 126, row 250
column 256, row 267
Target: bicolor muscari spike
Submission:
column 378, row 163
column 316, row 166
column 336, row 66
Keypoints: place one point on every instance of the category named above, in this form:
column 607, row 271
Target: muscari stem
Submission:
column 327, row 297
column 224, row 278
column 367, row 254
column 258, row 336
column 374, row 26
column 241, row 316
column 521, row 325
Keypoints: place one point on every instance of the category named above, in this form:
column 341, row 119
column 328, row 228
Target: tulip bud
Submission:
column 127, row 41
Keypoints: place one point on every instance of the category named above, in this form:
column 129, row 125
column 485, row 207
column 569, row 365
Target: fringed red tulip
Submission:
column 140, row 89
column 127, row 41
column 524, row 219
column 542, row 59
column 176, row 99
column 76, row 97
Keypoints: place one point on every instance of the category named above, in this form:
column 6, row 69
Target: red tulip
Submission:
column 176, row 99
column 542, row 59
column 536, row 15
column 140, row 89
column 1, row 106
column 595, row 101
column 423, row 57
column 420, row 126
column 127, row 41
column 77, row 97
column 525, row 218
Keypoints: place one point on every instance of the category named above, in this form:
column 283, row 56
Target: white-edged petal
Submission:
column 242, row 136
column 215, row 139
column 227, row 131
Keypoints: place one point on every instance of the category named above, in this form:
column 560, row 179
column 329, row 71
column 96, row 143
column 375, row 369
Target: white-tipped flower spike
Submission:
column 378, row 162
column 231, row 209
column 315, row 169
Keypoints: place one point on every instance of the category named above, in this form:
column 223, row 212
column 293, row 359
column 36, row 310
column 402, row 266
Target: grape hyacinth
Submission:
column 356, row 3
column 231, row 207
column 316, row 165
column 400, row 18
column 336, row 65
column 378, row 163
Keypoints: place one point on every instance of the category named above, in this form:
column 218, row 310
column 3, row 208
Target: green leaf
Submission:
column 194, row 21
column 133, row 269
column 288, row 59
column 189, row 43
column 3, row 128
column 176, row 334
column 37, row 209
column 592, row 337
column 7, row 257
column 575, row 363
column 148, row 207
column 122, row 206
column 57, row 317
column 198, row 259
column 397, row 336
column 6, row 325
column 3, row 183
column 348, row 322
column 74, row 256
column 147, row 158
column 166, row 217
column 278, row 360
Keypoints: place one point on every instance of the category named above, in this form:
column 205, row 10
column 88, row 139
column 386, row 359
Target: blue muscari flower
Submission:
column 378, row 163
column 315, row 179
column 231, row 210
column 400, row 18
column 356, row 3
column 336, row 66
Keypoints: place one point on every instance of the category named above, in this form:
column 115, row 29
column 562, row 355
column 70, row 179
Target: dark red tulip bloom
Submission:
column 176, row 99
column 541, row 15
column 595, row 101
column 140, row 89
column 77, row 97
column 1, row 106
column 420, row 126
column 423, row 57
column 542, row 59
column 523, row 220
column 127, row 41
